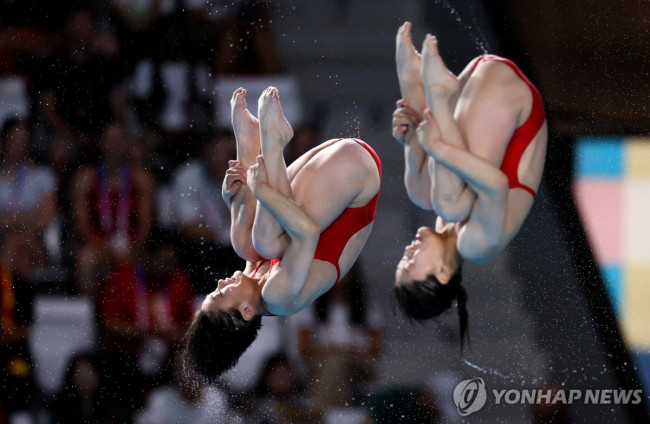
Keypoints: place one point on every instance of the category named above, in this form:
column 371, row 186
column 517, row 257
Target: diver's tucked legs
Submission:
column 416, row 175
column 408, row 63
column 246, row 128
column 441, row 88
column 450, row 196
column 275, row 133
column 269, row 238
column 243, row 206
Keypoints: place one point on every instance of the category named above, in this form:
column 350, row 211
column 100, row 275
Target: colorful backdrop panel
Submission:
column 612, row 192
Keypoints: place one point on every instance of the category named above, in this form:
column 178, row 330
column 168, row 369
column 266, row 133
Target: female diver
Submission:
column 311, row 220
column 474, row 148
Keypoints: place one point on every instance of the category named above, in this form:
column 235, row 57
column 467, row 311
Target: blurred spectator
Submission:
column 27, row 202
column 171, row 85
column 404, row 405
column 29, row 28
column 133, row 21
column 280, row 395
column 341, row 344
column 188, row 400
column 16, row 366
column 113, row 207
column 61, row 241
column 247, row 46
column 145, row 308
column 81, row 82
column 85, row 397
column 35, row 14
column 202, row 215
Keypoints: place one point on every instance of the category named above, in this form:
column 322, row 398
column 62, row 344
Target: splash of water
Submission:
column 488, row 371
column 353, row 124
column 473, row 30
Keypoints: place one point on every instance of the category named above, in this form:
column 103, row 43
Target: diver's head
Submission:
column 430, row 253
column 224, row 327
column 239, row 292
column 428, row 279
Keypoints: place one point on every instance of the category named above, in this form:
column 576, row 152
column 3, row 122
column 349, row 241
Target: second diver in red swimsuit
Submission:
column 474, row 148
column 300, row 229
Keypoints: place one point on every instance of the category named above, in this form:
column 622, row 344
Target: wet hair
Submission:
column 426, row 299
column 214, row 342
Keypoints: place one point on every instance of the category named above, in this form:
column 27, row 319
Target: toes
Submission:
column 272, row 92
column 239, row 97
column 405, row 28
column 237, row 92
column 430, row 45
column 268, row 92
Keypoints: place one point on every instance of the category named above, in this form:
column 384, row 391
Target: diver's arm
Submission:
column 285, row 286
column 483, row 177
column 242, row 205
column 488, row 111
column 481, row 236
column 284, row 289
column 295, row 221
column 417, row 180
column 429, row 185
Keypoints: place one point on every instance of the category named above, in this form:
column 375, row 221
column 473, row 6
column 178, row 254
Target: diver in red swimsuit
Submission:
column 474, row 148
column 300, row 229
column 334, row 238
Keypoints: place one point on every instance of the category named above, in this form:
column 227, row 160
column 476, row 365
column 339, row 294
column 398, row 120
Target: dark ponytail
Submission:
column 428, row 298
column 463, row 316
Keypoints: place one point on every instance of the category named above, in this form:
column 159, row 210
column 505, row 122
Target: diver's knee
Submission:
column 450, row 211
column 268, row 248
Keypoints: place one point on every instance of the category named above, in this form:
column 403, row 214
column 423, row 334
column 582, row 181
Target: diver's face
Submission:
column 422, row 257
column 230, row 293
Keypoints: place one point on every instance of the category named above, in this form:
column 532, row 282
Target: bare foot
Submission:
column 274, row 127
column 439, row 83
column 407, row 58
column 246, row 128
column 428, row 133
